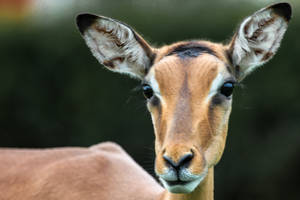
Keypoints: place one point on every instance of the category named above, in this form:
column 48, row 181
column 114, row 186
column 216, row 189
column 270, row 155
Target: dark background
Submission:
column 54, row 93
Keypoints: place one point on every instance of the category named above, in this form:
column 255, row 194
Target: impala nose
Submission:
column 184, row 161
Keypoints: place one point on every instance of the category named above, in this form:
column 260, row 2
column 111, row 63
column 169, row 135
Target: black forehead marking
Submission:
column 191, row 50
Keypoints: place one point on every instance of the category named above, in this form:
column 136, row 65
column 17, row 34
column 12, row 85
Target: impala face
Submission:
column 188, row 85
column 189, row 92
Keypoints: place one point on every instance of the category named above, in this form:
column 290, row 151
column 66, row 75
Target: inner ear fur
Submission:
column 258, row 38
column 116, row 45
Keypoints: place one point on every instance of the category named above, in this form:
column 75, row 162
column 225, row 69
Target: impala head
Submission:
column 188, row 85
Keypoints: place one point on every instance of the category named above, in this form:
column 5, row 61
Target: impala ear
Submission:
column 116, row 45
column 258, row 38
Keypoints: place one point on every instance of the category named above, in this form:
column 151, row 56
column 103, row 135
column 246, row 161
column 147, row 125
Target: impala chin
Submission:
column 182, row 182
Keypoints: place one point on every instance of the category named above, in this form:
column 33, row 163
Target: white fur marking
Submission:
column 155, row 86
column 216, row 84
column 184, row 175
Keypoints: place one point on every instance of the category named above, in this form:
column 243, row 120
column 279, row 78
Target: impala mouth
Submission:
column 181, row 186
column 182, row 182
column 179, row 182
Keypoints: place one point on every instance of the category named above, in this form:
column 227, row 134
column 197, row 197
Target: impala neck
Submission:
column 205, row 191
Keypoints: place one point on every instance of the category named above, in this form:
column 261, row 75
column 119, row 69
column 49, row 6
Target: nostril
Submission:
column 186, row 159
column 183, row 161
column 169, row 161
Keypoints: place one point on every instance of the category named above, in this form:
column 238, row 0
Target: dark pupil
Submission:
column 227, row 89
column 147, row 90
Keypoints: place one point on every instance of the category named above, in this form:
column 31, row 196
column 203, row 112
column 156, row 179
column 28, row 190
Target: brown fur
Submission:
column 74, row 173
column 185, row 111
column 186, row 121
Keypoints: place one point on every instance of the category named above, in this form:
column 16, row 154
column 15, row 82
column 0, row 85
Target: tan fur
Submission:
column 185, row 119
column 74, row 173
column 184, row 116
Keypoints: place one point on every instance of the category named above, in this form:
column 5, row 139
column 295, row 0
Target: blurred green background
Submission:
column 54, row 93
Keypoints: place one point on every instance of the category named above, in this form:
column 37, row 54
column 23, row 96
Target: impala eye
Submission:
column 227, row 89
column 147, row 90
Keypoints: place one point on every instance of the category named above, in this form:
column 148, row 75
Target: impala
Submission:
column 188, row 86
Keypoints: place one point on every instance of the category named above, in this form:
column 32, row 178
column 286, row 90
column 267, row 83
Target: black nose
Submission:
column 184, row 161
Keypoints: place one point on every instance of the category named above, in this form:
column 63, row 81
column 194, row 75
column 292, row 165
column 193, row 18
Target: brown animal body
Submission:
column 188, row 86
column 93, row 173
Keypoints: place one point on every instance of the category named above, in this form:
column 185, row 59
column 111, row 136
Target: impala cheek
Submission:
column 160, row 167
column 214, row 153
column 198, row 165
